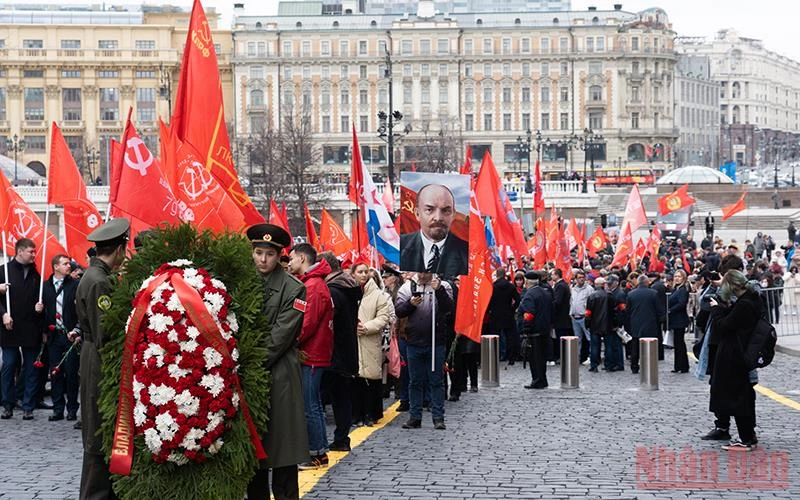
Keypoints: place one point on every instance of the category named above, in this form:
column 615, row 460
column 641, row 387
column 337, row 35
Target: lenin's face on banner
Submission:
column 435, row 210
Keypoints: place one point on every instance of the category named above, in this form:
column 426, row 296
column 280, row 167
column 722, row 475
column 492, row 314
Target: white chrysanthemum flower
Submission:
column 175, row 371
column 235, row 400
column 214, row 419
column 212, row 357
column 153, row 349
column 172, row 335
column 235, row 354
column 152, row 440
column 160, row 322
column 193, row 279
column 215, row 446
column 232, row 322
column 166, row 425
column 128, row 321
column 178, row 458
column 161, row 394
column 213, row 383
column 187, row 404
column 180, row 263
column 139, row 414
column 218, row 284
column 191, row 438
column 146, row 283
column 214, row 302
column 174, row 303
column 192, row 332
column 137, row 386
column 188, row 346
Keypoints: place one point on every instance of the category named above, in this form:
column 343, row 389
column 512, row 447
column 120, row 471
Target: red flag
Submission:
column 634, row 210
column 654, row 242
column 476, row 286
column 81, row 216
column 540, row 244
column 143, row 192
column 413, row 166
column 19, row 221
column 358, row 232
column 597, row 242
column 572, row 234
column 276, row 217
column 582, row 245
column 563, row 259
column 387, row 198
column 552, row 234
column 311, row 233
column 624, row 248
column 676, row 200
column 493, row 202
column 199, row 117
column 466, row 168
column 356, row 185
column 729, row 210
column 208, row 206
column 683, row 258
column 332, row 238
column 538, row 195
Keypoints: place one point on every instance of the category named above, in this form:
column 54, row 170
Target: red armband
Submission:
column 621, row 306
column 588, row 313
column 527, row 316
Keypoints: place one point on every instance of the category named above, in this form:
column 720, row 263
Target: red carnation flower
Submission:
column 58, row 316
column 52, row 328
column 38, row 364
column 55, row 371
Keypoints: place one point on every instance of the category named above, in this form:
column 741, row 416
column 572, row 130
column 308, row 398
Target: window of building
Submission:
column 506, row 46
column 344, row 123
column 468, row 47
column 325, row 97
column 2, row 104
column 506, row 94
column 262, row 49
column 363, row 123
column 33, row 73
column 287, row 72
column 634, row 120
column 507, row 70
column 506, row 121
column 526, row 70
column 443, row 46
column 526, row 121
column 595, row 93
column 383, row 96
column 147, row 73
column 425, row 94
column 107, row 44
column 257, row 97
column 525, row 45
column 635, row 67
column 71, row 73
column 325, row 48
column 70, row 44
column 406, row 47
column 589, row 44
column 146, row 105
column 545, row 94
column 34, row 104
column 32, row 44
column 564, row 94
column 144, row 44
column 305, row 48
column 655, row 121
column 251, row 49
column 564, row 68
column 487, row 70
column 288, row 97
column 443, row 91
column 487, row 122
column 545, row 45
column 564, row 121
column 344, row 97
column 488, row 45
column 344, row 71
column 363, row 97
column 635, row 97
column 596, row 120
column 344, row 48
column 526, row 94
column 109, row 104
column 425, row 69
column 469, row 95
column 545, row 124
column 362, row 47
column 362, row 71
column 469, row 124
column 425, row 47
column 256, row 72
column 468, row 70
column 71, row 104
column 326, row 124
column 600, row 44
column 107, row 73
column 563, row 45
column 381, row 47
column 443, row 70
column 36, row 143
column 488, row 94
column 657, row 93
column 407, row 98
column 635, row 43
column 595, row 67
column 545, row 69
column 407, row 70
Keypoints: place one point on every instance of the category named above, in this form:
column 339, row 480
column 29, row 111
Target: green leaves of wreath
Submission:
column 227, row 258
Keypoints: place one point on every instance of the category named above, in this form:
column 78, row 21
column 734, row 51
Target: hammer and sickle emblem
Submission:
column 408, row 206
column 195, row 180
column 137, row 156
column 204, row 33
column 596, row 242
column 24, row 224
column 673, row 203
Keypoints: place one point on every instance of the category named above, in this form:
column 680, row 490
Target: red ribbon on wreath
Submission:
column 122, row 446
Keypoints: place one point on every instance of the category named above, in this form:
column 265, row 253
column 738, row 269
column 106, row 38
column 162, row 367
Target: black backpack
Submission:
column 760, row 349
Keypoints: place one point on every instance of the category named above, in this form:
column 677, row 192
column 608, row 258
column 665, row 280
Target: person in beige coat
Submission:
column 373, row 316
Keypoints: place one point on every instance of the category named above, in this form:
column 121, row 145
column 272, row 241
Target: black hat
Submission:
column 532, row 275
column 262, row 235
column 112, row 233
column 387, row 269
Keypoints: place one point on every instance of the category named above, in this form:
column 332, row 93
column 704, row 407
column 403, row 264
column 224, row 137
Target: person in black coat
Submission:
column 501, row 311
column 615, row 359
column 661, row 289
column 642, row 306
column 62, row 330
column 337, row 380
column 21, row 329
column 562, row 323
column 732, row 325
column 598, row 320
column 679, row 321
column 536, row 315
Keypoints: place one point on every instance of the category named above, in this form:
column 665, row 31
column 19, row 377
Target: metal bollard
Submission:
column 490, row 361
column 648, row 354
column 569, row 363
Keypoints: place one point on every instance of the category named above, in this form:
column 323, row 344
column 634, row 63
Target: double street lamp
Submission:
column 588, row 142
column 16, row 145
column 388, row 121
column 92, row 160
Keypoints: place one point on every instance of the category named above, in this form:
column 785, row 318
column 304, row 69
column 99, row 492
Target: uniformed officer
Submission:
column 286, row 439
column 92, row 299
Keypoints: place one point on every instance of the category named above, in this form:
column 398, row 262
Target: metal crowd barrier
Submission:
column 783, row 309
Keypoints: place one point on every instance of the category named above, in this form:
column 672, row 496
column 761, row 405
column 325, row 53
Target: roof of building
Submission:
column 24, row 173
column 694, row 174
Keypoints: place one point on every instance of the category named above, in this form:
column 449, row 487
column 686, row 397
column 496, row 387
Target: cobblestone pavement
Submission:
column 509, row 442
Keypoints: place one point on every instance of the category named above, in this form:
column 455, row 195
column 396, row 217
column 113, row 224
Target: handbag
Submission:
column 393, row 357
column 669, row 339
column 623, row 335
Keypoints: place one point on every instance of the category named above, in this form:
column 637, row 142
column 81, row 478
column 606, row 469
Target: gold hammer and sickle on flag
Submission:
column 673, row 203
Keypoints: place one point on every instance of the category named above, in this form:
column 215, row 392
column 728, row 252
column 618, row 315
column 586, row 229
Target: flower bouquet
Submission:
column 184, row 392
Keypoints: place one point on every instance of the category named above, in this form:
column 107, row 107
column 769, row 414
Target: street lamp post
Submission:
column 389, row 120
column 92, row 160
column 165, row 87
column 16, row 145
column 589, row 142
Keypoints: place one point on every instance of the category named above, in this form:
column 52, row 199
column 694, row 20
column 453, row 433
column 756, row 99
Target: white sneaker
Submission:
column 551, row 363
column 585, row 363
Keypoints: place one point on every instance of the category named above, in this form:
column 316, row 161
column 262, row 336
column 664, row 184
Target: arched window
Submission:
column 517, row 21
column 736, row 90
column 256, row 97
column 596, row 93
column 373, row 23
column 636, row 152
column 595, row 20
column 336, row 24
column 298, row 24
column 258, row 25
column 735, row 117
column 555, row 20
column 479, row 21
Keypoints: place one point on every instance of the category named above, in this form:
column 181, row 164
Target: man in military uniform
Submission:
column 92, row 299
column 286, row 439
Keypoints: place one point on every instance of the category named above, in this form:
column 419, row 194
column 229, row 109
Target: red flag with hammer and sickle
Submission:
column 332, row 237
column 676, row 200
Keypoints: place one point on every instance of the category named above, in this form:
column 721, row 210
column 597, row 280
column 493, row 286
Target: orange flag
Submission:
column 540, row 244
column 538, row 195
column 199, row 117
column 573, row 235
column 597, row 242
column 737, row 207
column 552, row 234
column 634, row 210
column 19, row 221
column 466, row 168
column 476, row 286
column 276, row 217
column 624, row 248
column 676, row 200
column 311, row 233
column 654, row 242
column 332, row 237
column 582, row 245
column 563, row 259
column 81, row 216
column 208, row 207
column 493, row 202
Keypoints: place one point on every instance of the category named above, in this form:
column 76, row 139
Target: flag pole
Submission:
column 433, row 327
column 44, row 249
column 5, row 271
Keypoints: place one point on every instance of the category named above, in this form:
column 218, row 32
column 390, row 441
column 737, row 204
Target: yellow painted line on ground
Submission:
column 766, row 391
column 307, row 479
